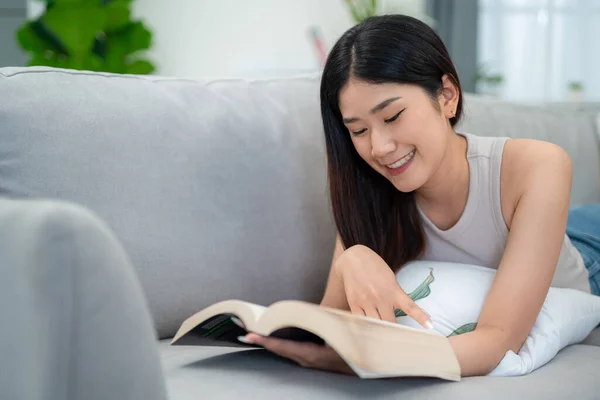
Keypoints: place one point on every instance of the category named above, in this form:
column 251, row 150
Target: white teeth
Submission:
column 402, row 161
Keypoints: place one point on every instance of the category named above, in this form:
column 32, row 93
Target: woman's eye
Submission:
column 395, row 117
column 359, row 132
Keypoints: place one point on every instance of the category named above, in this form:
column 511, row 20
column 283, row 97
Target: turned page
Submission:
column 214, row 323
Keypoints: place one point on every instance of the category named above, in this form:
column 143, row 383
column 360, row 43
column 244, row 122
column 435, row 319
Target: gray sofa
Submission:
column 128, row 203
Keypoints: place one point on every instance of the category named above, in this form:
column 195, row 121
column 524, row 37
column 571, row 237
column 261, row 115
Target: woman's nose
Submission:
column 382, row 144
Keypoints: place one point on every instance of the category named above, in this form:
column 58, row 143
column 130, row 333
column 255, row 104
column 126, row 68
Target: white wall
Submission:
column 221, row 38
column 201, row 38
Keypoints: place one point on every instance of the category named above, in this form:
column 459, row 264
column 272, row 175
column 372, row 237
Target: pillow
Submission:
column 454, row 294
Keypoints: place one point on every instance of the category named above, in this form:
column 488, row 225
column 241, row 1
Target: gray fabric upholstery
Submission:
column 216, row 190
column 74, row 322
column 594, row 338
column 256, row 374
column 576, row 132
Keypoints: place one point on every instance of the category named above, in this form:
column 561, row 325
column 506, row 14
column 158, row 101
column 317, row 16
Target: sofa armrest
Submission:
column 75, row 324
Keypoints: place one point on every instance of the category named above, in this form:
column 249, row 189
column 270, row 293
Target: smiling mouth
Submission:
column 402, row 161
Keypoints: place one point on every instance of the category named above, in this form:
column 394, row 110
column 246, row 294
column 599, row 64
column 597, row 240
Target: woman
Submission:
column 404, row 185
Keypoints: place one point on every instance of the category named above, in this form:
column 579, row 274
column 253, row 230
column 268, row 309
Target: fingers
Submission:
column 411, row 309
column 308, row 355
column 383, row 312
column 304, row 354
column 371, row 312
column 356, row 310
column 387, row 313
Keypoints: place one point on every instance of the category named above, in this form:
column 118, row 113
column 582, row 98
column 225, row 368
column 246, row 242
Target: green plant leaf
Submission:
column 117, row 15
column 464, row 329
column 96, row 35
column 70, row 3
column 34, row 37
column 76, row 25
column 140, row 67
column 353, row 11
column 419, row 293
column 93, row 63
column 39, row 59
column 124, row 42
column 29, row 40
column 138, row 37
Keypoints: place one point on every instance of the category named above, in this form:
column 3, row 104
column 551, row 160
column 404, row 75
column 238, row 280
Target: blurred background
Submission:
column 529, row 51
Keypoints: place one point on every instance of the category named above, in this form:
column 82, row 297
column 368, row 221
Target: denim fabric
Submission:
column 583, row 228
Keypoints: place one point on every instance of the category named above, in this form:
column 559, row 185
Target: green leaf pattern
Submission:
column 422, row 291
column 419, row 293
column 464, row 329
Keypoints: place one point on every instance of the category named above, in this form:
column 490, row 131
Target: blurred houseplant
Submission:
column 488, row 82
column 96, row 35
column 362, row 9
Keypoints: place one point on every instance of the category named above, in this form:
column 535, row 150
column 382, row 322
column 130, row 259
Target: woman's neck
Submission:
column 448, row 187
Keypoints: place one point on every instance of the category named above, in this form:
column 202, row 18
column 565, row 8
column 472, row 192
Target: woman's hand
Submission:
column 372, row 289
column 308, row 355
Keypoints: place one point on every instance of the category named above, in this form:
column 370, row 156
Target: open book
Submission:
column 371, row 347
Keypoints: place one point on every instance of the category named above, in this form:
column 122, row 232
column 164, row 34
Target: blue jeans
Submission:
column 583, row 228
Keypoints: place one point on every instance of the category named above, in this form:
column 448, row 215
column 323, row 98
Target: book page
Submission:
column 216, row 325
column 372, row 348
column 256, row 310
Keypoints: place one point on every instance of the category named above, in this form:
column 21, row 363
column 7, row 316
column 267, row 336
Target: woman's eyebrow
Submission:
column 375, row 109
column 383, row 104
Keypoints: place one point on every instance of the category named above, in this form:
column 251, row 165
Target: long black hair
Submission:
column 367, row 208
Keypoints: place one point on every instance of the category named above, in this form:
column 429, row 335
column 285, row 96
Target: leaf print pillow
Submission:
column 454, row 294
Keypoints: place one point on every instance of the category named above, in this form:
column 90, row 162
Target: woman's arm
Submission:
column 539, row 176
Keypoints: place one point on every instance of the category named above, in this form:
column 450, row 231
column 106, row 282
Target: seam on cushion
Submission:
column 157, row 78
column 87, row 73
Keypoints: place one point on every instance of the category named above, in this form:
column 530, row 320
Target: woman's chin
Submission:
column 406, row 183
column 403, row 186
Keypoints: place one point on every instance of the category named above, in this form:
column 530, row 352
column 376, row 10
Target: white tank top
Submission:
column 479, row 236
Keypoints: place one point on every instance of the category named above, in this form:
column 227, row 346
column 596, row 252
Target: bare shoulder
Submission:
column 523, row 158
column 531, row 165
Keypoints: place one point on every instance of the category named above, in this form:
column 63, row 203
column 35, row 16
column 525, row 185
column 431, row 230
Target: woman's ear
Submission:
column 449, row 96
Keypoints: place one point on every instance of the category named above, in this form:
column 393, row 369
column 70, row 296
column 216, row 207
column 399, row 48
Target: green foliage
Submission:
column 483, row 75
column 362, row 9
column 95, row 35
column 575, row 86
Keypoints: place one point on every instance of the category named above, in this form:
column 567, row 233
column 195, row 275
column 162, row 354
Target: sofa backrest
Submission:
column 216, row 189
column 578, row 132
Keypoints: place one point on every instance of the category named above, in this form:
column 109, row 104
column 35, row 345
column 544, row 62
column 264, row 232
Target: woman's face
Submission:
column 397, row 129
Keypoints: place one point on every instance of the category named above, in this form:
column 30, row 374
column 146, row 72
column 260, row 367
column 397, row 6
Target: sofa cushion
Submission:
column 216, row 190
column 594, row 338
column 225, row 373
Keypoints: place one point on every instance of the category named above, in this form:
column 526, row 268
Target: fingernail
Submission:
column 244, row 339
column 238, row 322
column 429, row 325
